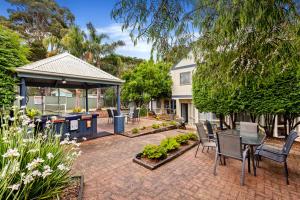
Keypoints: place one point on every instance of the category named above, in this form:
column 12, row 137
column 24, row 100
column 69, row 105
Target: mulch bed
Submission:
column 153, row 164
column 74, row 191
column 149, row 130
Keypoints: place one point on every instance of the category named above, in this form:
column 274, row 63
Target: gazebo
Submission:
column 67, row 71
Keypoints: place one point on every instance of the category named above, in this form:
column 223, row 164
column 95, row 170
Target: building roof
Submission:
column 67, row 67
column 187, row 62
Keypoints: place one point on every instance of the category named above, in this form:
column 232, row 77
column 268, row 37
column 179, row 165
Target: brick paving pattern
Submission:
column 109, row 173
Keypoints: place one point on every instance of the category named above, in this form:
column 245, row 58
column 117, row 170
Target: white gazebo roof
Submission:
column 67, row 67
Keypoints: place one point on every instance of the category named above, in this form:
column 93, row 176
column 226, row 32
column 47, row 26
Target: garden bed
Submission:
column 75, row 190
column 136, row 132
column 153, row 163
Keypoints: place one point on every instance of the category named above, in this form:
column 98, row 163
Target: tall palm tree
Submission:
column 96, row 49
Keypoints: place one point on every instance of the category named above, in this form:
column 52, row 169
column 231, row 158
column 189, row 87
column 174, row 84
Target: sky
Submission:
column 98, row 12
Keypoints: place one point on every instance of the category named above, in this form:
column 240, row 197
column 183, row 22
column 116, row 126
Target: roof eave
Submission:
column 54, row 76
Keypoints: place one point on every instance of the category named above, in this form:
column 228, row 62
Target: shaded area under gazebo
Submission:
column 67, row 71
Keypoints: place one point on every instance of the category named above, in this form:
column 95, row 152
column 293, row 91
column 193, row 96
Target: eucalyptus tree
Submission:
column 35, row 20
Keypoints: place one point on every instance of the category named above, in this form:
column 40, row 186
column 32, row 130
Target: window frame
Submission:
column 190, row 78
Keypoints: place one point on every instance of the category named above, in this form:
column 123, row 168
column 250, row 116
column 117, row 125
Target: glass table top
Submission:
column 249, row 138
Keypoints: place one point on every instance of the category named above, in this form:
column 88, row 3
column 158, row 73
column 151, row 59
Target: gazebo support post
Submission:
column 23, row 92
column 118, row 100
column 86, row 100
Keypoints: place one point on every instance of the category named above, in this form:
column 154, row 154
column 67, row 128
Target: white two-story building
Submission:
column 182, row 100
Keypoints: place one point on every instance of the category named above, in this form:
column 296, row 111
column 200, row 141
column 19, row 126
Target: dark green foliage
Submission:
column 154, row 152
column 36, row 20
column 12, row 54
column 147, row 81
column 118, row 64
column 170, row 144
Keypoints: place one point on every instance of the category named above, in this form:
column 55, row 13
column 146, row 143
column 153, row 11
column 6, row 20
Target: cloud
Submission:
column 141, row 50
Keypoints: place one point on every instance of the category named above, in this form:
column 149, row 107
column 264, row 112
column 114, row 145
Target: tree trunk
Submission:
column 269, row 124
column 253, row 117
column 233, row 117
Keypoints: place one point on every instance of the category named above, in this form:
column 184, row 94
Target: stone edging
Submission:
column 80, row 192
column 162, row 162
column 152, row 131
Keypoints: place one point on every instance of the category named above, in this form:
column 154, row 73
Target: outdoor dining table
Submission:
column 251, row 139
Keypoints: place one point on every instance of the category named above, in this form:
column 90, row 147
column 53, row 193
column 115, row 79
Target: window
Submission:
column 185, row 78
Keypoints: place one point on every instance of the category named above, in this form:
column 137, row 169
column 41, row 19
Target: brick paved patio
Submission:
column 103, row 124
column 109, row 173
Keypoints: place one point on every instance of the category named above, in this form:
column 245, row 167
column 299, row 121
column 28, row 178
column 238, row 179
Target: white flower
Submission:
column 38, row 120
column 57, row 135
column 34, row 163
column 23, row 107
column 47, row 171
column 50, row 155
column 36, row 173
column 48, row 122
column 44, row 136
column 14, row 187
column 75, row 138
column 11, row 153
column 67, row 134
column 19, row 98
column 62, row 167
column 12, row 119
column 84, row 138
column 33, row 150
column 27, row 179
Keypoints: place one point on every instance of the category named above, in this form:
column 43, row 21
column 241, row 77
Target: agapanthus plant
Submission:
column 33, row 165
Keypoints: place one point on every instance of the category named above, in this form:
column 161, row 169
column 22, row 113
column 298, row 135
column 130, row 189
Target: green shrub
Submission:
column 155, row 126
column 170, row 144
column 32, row 112
column 173, row 123
column 152, row 151
column 143, row 128
column 135, row 131
column 182, row 138
column 33, row 166
column 192, row 136
column 164, row 124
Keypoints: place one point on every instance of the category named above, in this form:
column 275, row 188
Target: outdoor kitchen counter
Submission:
column 74, row 125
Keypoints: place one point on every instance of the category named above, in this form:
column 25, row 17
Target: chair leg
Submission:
column 207, row 149
column 224, row 159
column 286, row 173
column 249, row 166
column 202, row 149
column 216, row 163
column 243, row 172
column 197, row 149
